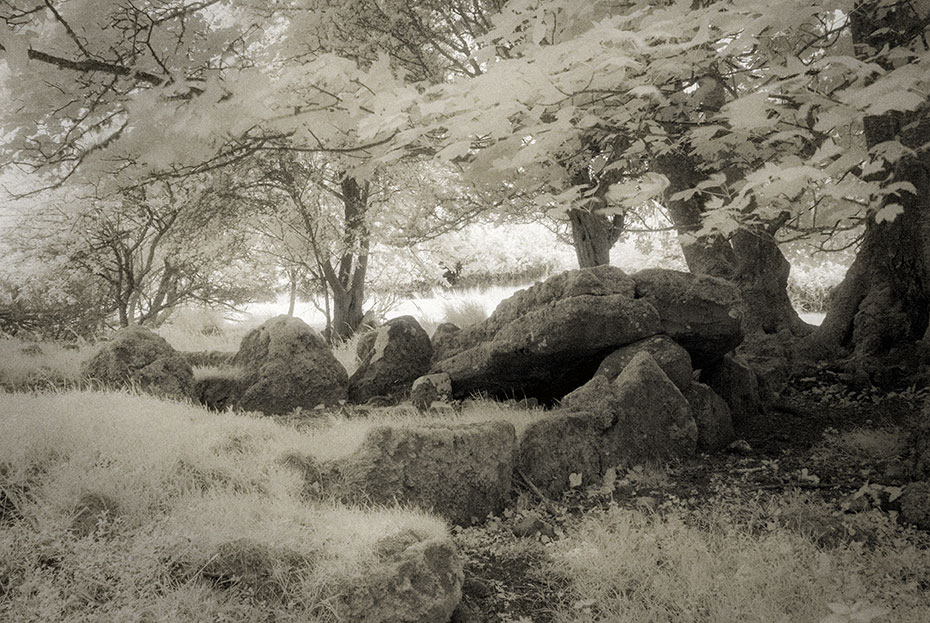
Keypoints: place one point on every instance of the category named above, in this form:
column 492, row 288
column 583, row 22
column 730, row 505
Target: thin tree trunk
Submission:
column 292, row 293
column 349, row 287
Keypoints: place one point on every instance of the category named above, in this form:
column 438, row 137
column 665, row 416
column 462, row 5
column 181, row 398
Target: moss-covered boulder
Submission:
column 285, row 364
column 138, row 358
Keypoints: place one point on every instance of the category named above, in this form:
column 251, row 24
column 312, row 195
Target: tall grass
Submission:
column 117, row 507
column 719, row 566
column 40, row 365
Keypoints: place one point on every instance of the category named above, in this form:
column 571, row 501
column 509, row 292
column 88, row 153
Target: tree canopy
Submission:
column 749, row 123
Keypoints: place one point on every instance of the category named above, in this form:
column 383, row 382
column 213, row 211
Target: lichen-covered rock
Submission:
column 561, row 443
column 400, row 353
column 286, row 364
column 915, row 504
column 430, row 388
column 548, row 340
column 639, row 417
column 672, row 358
column 137, row 357
column 444, row 340
column 460, row 471
column 702, row 313
column 734, row 381
column 417, row 580
column 712, row 416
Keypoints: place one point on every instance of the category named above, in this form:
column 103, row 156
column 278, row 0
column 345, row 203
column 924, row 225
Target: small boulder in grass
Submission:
column 417, row 579
column 429, row 389
column 672, row 358
column 285, row 364
column 915, row 504
column 461, row 472
column 138, row 358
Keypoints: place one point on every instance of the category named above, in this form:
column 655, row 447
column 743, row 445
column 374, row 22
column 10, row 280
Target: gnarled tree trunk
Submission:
column 593, row 235
column 750, row 258
column 883, row 301
column 347, row 283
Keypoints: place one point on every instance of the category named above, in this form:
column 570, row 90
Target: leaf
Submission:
column 895, row 100
column 889, row 213
column 574, row 480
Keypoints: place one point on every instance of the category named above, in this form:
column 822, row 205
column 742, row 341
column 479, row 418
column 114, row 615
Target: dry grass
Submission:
column 722, row 565
column 865, row 444
column 40, row 365
column 114, row 504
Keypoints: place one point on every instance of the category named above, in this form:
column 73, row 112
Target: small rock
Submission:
column 429, row 389
column 740, row 446
column 915, row 504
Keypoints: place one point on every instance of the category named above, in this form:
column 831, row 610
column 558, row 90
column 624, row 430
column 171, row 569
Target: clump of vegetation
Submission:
column 127, row 507
column 465, row 312
column 717, row 564
column 28, row 365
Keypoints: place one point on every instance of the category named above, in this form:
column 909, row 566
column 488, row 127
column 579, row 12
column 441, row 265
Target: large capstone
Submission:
column 702, row 313
column 549, row 339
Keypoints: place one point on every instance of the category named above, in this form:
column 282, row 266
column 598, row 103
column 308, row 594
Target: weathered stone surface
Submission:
column 561, row 443
column 430, row 388
column 136, row 357
column 915, row 504
column 286, row 364
column 418, row 580
column 702, row 313
column 539, row 345
column 712, row 416
column 400, row 353
column 638, row 417
column 220, row 391
column 460, row 471
column 735, row 382
column 653, row 422
column 672, row 358
column 444, row 340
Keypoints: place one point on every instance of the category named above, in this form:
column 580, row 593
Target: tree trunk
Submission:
column 292, row 292
column 750, row 258
column 348, row 285
column 882, row 303
column 593, row 235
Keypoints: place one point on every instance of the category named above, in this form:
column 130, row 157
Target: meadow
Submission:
column 119, row 506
